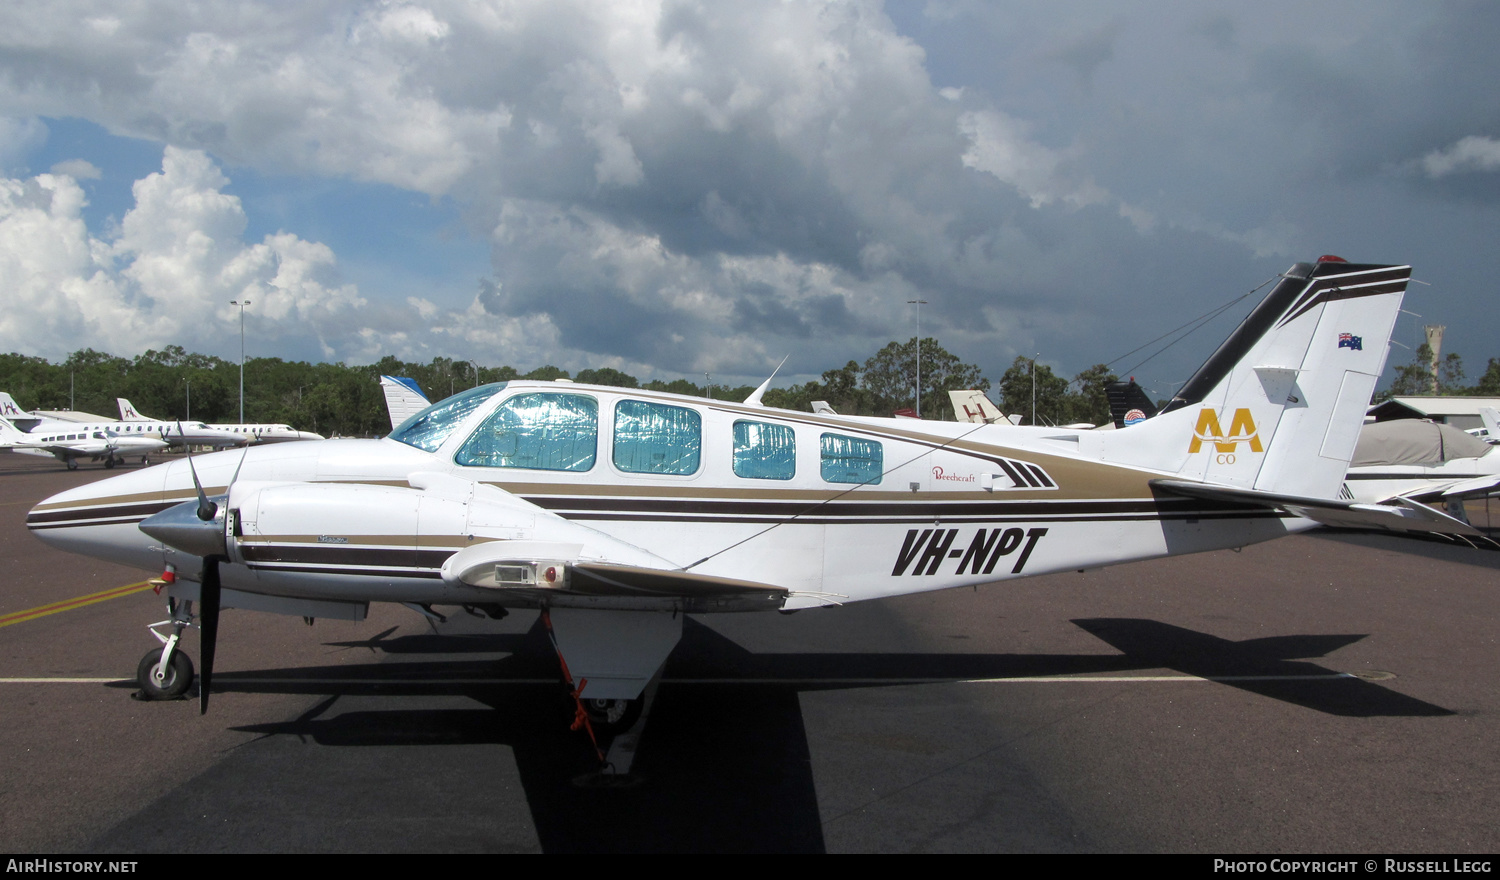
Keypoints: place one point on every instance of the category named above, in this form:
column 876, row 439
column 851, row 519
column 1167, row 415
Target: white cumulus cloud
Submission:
column 1473, row 153
column 165, row 277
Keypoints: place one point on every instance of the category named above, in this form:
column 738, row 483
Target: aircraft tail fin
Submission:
column 128, row 412
column 1278, row 407
column 10, row 435
column 1491, row 420
column 1128, row 403
column 974, row 407
column 9, row 409
column 403, row 398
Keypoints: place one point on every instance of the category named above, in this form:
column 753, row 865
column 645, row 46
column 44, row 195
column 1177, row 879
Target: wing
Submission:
column 555, row 574
column 76, row 450
column 1479, row 486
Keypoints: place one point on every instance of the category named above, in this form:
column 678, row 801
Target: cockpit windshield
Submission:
column 429, row 428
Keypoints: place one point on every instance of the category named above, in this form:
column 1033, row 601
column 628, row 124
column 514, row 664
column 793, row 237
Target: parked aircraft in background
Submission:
column 257, row 433
column 68, row 445
column 403, row 398
column 1128, row 403
column 178, row 433
column 1490, row 433
column 614, row 511
column 1421, row 461
column 974, row 407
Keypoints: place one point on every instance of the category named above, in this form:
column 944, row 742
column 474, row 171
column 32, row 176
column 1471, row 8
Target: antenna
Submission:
column 754, row 398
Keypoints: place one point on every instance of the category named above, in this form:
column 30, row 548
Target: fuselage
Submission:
column 268, row 433
column 832, row 508
column 85, row 444
column 173, row 433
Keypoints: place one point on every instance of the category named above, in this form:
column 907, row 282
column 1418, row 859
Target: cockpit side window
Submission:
column 542, row 431
column 428, row 429
column 851, row 460
column 655, row 438
column 764, row 452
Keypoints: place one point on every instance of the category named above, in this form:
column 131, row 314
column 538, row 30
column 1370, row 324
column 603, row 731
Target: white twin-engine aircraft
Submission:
column 615, row 511
column 257, row 433
column 175, row 433
column 67, row 446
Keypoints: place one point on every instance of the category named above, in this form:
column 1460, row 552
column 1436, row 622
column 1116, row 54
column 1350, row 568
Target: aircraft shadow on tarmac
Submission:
column 724, row 764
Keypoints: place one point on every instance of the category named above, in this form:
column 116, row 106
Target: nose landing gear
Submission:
column 167, row 674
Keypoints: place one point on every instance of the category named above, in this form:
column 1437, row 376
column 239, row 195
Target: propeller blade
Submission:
column 208, row 623
column 243, row 456
column 206, row 508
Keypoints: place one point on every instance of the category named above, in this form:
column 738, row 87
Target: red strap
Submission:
column 580, row 714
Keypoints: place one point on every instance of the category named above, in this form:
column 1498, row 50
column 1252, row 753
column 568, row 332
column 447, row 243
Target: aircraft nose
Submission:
column 99, row 519
column 194, row 528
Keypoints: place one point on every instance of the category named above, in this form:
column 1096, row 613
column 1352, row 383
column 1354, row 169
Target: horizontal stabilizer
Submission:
column 1402, row 515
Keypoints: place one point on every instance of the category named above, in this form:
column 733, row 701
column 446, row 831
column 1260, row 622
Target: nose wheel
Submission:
column 166, row 673
column 164, row 683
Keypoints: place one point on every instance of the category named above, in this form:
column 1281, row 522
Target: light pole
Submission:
column 241, row 303
column 1033, row 386
column 189, row 413
column 919, row 303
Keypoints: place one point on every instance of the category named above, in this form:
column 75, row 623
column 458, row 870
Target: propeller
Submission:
column 196, row 527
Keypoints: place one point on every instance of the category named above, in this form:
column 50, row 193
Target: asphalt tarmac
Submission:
column 1322, row 693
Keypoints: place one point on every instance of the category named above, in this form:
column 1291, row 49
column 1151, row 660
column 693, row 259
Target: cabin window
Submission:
column 654, row 438
column 851, row 460
column 428, row 429
column 542, row 431
column 764, row 452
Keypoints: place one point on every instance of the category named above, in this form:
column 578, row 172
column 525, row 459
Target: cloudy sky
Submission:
column 671, row 188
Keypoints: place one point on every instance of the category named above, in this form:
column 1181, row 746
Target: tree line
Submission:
column 345, row 400
column 1416, row 379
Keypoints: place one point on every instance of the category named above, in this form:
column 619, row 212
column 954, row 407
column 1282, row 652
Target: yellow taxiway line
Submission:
column 77, row 602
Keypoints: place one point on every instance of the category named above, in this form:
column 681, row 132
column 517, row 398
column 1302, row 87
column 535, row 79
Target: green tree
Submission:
column 676, row 386
column 890, row 377
column 608, row 376
column 1089, row 402
column 1489, row 383
column 1026, row 376
column 1415, row 378
column 548, row 373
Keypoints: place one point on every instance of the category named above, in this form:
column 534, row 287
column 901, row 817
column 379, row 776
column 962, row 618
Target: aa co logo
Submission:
column 1210, row 430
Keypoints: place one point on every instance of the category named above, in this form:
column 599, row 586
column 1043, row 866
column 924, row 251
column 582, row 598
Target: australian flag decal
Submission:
column 1349, row 340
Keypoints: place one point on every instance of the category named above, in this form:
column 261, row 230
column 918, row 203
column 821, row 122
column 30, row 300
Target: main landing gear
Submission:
column 167, row 673
column 614, row 725
column 610, row 717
